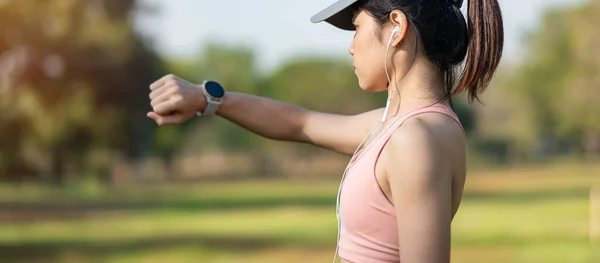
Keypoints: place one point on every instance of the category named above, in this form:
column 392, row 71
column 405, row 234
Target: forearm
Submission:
column 266, row 117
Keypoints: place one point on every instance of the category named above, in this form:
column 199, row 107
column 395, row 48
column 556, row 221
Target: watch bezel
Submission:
column 216, row 99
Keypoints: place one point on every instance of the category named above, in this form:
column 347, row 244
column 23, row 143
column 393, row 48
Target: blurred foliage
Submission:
column 75, row 76
column 74, row 88
column 321, row 84
column 548, row 104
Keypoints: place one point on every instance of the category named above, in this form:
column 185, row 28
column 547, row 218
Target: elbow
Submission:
column 298, row 131
column 288, row 127
column 291, row 133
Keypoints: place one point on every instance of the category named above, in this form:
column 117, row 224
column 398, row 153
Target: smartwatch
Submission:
column 214, row 93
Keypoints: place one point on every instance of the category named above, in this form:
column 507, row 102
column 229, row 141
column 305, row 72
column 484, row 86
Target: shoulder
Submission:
column 425, row 143
column 427, row 132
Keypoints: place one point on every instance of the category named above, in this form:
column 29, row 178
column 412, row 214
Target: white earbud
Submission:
column 395, row 31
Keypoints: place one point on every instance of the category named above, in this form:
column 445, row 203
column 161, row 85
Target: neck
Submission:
column 421, row 85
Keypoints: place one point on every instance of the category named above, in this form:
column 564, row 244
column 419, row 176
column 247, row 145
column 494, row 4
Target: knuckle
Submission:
column 174, row 104
column 171, row 104
column 171, row 82
column 160, row 108
column 178, row 98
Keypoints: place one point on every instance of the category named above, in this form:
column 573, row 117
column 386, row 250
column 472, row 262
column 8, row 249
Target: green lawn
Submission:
column 532, row 215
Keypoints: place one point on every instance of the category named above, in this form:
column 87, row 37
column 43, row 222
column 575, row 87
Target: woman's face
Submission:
column 369, row 53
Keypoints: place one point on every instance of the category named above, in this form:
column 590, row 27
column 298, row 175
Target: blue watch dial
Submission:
column 214, row 89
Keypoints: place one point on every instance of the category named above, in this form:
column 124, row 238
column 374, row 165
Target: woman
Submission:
column 403, row 186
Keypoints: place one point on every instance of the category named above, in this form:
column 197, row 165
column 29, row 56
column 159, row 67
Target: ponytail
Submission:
column 486, row 41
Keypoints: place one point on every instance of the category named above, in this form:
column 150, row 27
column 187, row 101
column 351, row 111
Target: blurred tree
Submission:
column 560, row 78
column 503, row 128
column 76, row 78
column 580, row 115
column 324, row 84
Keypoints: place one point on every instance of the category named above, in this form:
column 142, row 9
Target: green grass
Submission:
column 517, row 215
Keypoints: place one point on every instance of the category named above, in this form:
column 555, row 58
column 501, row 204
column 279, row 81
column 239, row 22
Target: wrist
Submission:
column 228, row 102
column 200, row 99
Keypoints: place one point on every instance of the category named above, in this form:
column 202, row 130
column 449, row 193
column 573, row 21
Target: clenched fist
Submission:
column 174, row 100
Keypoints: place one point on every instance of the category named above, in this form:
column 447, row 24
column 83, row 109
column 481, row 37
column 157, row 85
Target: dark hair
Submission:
column 447, row 37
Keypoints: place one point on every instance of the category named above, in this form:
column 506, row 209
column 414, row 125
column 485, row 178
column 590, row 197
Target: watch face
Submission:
column 214, row 89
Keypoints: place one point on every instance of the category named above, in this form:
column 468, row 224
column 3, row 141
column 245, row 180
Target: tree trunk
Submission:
column 170, row 167
column 57, row 171
column 591, row 144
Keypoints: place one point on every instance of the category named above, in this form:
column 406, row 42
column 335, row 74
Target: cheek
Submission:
column 369, row 59
column 372, row 57
column 370, row 72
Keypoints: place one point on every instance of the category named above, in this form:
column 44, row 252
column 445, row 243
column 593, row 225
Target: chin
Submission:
column 371, row 87
column 370, row 83
column 363, row 86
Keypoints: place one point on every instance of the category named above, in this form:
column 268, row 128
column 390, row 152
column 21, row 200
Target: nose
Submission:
column 351, row 49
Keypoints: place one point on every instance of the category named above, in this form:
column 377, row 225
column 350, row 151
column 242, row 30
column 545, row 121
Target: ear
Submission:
column 398, row 18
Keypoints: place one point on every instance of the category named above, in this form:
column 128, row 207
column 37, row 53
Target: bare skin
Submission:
column 422, row 168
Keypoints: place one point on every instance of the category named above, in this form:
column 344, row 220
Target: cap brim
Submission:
column 339, row 14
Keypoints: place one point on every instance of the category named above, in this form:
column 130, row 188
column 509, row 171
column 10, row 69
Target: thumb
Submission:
column 166, row 120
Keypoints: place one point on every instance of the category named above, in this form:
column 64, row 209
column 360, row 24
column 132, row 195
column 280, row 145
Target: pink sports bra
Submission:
column 368, row 230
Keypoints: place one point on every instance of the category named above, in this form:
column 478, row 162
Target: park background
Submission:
column 87, row 177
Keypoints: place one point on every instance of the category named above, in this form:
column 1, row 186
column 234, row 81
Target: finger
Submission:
column 165, row 89
column 166, row 120
column 165, row 108
column 152, row 115
column 162, row 81
column 165, row 96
